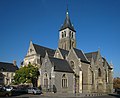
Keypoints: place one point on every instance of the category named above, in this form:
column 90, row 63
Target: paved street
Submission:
column 66, row 96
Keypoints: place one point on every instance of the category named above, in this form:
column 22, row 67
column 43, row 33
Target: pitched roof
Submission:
column 67, row 23
column 7, row 67
column 61, row 65
column 105, row 61
column 81, row 55
column 92, row 55
column 42, row 50
column 63, row 52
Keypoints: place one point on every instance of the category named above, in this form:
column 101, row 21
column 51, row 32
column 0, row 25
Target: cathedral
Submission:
column 68, row 69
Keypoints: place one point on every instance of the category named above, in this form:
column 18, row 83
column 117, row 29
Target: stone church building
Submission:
column 68, row 69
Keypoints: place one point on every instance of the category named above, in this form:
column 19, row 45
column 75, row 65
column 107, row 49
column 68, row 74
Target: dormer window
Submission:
column 31, row 50
column 2, row 69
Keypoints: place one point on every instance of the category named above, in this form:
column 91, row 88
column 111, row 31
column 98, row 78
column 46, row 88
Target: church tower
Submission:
column 67, row 34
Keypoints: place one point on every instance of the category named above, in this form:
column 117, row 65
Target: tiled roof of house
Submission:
column 42, row 50
column 7, row 67
column 61, row 65
column 81, row 55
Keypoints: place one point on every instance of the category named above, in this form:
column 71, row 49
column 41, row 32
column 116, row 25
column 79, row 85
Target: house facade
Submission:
column 68, row 69
column 7, row 72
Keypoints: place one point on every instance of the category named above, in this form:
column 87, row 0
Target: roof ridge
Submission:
column 57, row 58
column 42, row 46
column 91, row 52
column 6, row 62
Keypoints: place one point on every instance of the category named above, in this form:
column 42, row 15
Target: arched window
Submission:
column 57, row 54
column 62, row 35
column 65, row 33
column 92, row 77
column 64, row 81
column 72, row 43
column 70, row 34
column 72, row 65
column 45, row 80
column 106, row 76
column 99, row 72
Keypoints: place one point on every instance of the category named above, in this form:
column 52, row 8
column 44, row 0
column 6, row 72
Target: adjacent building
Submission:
column 7, row 72
column 68, row 69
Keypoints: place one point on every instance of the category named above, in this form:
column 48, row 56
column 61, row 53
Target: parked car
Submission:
column 8, row 88
column 34, row 90
column 19, row 91
column 3, row 92
column 118, row 90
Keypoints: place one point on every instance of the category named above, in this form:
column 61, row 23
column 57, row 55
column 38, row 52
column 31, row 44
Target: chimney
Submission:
column 14, row 62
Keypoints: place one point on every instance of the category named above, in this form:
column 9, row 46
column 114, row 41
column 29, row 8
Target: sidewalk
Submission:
column 72, row 95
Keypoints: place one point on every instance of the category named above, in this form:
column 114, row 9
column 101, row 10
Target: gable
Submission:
column 64, row 52
column 81, row 55
column 46, row 65
column 58, row 54
column 31, row 49
column 61, row 53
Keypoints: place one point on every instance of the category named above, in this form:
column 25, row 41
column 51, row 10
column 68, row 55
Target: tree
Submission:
column 27, row 74
column 116, row 83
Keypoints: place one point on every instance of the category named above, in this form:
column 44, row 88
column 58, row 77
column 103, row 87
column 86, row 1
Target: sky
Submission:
column 97, row 25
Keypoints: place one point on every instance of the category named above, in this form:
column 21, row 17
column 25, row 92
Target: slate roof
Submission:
column 92, row 55
column 61, row 65
column 7, row 67
column 63, row 52
column 81, row 55
column 42, row 50
column 67, row 23
column 109, row 66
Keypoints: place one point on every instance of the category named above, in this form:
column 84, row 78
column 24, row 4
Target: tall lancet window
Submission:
column 65, row 33
column 64, row 81
column 62, row 34
column 99, row 72
column 72, row 65
column 45, row 80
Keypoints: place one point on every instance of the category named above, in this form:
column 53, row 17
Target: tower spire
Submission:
column 67, row 9
column 67, row 38
column 67, row 23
